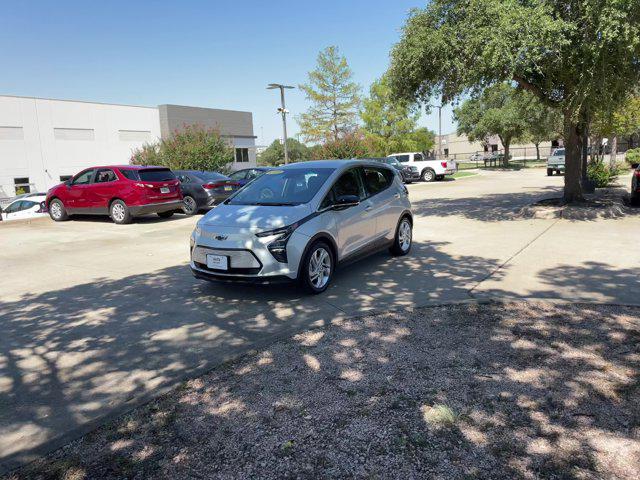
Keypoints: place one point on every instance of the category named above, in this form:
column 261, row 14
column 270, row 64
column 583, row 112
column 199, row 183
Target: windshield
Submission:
column 393, row 161
column 293, row 186
column 156, row 175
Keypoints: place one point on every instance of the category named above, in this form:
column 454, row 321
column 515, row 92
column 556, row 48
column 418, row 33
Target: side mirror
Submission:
column 635, row 165
column 346, row 201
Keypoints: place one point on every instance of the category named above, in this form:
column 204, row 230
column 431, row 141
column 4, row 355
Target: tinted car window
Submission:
column 14, row 207
column 156, row 175
column 376, row 180
column 292, row 186
column 130, row 174
column 105, row 175
column 83, row 178
column 402, row 158
column 348, row 184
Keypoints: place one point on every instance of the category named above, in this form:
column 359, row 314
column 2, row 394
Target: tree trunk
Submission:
column 614, row 151
column 505, row 160
column 573, row 131
column 537, row 151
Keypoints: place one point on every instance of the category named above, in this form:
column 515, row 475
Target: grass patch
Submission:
column 463, row 174
column 438, row 416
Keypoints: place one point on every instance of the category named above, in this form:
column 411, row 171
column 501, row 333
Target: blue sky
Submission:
column 219, row 54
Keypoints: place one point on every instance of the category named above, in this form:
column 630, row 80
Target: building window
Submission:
column 22, row 185
column 242, row 155
column 73, row 134
column 134, row 135
column 11, row 133
column 64, row 178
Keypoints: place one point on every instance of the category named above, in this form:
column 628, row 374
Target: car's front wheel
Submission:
column 317, row 268
column 404, row 238
column 119, row 212
column 57, row 211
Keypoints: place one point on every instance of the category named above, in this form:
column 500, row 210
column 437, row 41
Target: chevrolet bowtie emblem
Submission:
column 221, row 237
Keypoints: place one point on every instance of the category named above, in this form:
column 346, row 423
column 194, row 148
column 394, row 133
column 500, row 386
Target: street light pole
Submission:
column 283, row 111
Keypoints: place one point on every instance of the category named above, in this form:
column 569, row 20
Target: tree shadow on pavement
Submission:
column 498, row 391
column 69, row 357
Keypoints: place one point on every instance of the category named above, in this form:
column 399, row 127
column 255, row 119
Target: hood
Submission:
column 254, row 217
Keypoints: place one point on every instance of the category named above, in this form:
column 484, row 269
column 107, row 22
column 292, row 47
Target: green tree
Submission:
column 334, row 99
column 542, row 122
column 575, row 55
column 497, row 110
column 387, row 117
column 625, row 121
column 274, row 154
column 423, row 139
column 191, row 148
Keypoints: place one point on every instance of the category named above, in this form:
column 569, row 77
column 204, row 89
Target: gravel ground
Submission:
column 517, row 390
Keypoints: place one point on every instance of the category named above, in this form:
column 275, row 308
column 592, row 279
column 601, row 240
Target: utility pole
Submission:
column 283, row 111
column 439, row 107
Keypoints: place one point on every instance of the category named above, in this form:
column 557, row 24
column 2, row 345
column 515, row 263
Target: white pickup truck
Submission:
column 430, row 170
column 555, row 162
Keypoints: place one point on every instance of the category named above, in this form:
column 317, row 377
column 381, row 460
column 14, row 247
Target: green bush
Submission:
column 192, row 148
column 633, row 156
column 602, row 173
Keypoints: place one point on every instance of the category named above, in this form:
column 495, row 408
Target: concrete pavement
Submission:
column 97, row 317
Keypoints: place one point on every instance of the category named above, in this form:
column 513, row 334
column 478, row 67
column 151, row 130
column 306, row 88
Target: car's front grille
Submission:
column 240, row 261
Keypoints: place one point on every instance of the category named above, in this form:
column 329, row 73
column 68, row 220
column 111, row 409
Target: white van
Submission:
column 430, row 170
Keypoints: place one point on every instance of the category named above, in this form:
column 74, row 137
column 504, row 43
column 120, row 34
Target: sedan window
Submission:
column 239, row 175
column 105, row 175
column 376, row 180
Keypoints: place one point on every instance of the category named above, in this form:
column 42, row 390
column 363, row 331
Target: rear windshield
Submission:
column 156, row 175
column 559, row 151
column 209, row 176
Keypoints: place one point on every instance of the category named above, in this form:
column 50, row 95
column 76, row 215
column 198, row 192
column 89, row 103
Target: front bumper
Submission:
column 412, row 176
column 149, row 208
column 248, row 258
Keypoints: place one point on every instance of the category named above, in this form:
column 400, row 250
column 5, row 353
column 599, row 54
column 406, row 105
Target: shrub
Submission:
column 352, row 145
column 601, row 173
column 632, row 156
column 192, row 148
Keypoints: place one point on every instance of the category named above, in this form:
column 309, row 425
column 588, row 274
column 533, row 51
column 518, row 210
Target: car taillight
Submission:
column 444, row 164
column 638, row 173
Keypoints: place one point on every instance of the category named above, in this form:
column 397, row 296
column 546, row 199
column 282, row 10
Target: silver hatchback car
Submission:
column 300, row 221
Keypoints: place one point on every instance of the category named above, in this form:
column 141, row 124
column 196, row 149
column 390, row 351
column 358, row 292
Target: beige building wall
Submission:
column 458, row 147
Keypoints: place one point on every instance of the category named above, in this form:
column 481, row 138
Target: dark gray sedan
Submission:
column 204, row 190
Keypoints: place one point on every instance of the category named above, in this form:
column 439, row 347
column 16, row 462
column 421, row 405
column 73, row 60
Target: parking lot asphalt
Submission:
column 97, row 317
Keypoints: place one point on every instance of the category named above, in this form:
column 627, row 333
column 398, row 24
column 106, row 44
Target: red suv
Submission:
column 120, row 192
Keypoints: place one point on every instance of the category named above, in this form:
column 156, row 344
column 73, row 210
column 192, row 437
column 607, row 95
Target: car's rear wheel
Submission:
column 317, row 268
column 119, row 212
column 403, row 239
column 428, row 175
column 165, row 214
column 549, row 172
column 57, row 211
column 190, row 205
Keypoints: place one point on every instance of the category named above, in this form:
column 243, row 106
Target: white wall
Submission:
column 43, row 158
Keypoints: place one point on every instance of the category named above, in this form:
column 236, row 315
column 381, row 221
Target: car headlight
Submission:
column 278, row 246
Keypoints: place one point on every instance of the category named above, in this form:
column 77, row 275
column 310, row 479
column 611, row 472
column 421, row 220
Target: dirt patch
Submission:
column 518, row 390
column 604, row 204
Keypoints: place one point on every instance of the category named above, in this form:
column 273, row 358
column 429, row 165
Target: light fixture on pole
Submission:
column 439, row 107
column 283, row 111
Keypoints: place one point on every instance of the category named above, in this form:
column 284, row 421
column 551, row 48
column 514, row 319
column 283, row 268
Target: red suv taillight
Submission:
column 444, row 164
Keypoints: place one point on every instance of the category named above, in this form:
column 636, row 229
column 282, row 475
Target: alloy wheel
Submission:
column 189, row 205
column 118, row 212
column 320, row 267
column 404, row 235
column 56, row 210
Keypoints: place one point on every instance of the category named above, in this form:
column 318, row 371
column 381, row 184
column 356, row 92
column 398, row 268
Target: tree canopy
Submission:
column 334, row 98
column 190, row 148
column 574, row 55
column 274, row 153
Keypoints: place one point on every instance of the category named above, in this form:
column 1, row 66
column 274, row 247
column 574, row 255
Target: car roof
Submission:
column 329, row 164
column 125, row 167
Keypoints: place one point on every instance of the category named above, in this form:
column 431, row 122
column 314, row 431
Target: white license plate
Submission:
column 218, row 262
column 164, row 190
column 228, row 189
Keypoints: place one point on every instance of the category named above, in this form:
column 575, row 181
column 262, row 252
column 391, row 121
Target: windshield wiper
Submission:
column 275, row 204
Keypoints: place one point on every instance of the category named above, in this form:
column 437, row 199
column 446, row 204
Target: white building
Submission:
column 44, row 141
